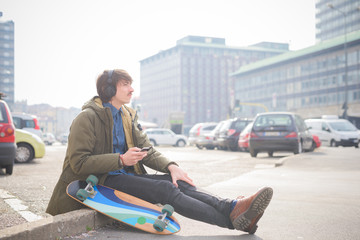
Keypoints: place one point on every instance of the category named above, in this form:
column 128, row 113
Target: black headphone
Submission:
column 110, row 89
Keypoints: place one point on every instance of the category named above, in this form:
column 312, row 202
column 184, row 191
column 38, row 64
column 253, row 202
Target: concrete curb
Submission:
column 281, row 161
column 72, row 223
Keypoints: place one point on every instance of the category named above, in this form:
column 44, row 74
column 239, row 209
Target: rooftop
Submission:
column 297, row 54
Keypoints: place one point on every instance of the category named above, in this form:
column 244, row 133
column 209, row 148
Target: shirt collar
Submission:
column 113, row 109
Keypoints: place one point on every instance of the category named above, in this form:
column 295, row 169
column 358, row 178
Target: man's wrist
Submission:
column 121, row 159
column 171, row 164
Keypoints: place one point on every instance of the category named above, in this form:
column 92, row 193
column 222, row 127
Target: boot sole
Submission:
column 256, row 209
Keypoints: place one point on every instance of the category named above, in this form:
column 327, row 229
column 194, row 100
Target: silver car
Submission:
column 197, row 134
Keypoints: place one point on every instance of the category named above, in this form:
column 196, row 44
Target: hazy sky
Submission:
column 61, row 46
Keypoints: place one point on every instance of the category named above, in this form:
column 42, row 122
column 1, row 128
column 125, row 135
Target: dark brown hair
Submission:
column 102, row 82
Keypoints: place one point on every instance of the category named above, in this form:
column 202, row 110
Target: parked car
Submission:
column 198, row 131
column 334, row 132
column 163, row 136
column 230, row 131
column 209, row 140
column 64, row 138
column 7, row 138
column 27, row 122
column 29, row 146
column 316, row 142
column 244, row 138
column 215, row 133
column 48, row 139
column 279, row 131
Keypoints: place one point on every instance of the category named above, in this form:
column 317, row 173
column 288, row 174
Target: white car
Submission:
column 163, row 136
column 334, row 131
column 27, row 122
column 48, row 138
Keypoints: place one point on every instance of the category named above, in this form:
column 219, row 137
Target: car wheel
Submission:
column 270, row 154
column 313, row 146
column 24, row 153
column 253, row 152
column 152, row 142
column 9, row 169
column 180, row 143
column 333, row 143
column 299, row 148
column 234, row 148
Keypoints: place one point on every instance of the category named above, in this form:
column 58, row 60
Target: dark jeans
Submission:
column 186, row 200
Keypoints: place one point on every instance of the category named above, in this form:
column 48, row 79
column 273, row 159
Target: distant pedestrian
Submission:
column 105, row 140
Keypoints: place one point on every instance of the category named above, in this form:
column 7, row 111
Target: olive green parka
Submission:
column 90, row 147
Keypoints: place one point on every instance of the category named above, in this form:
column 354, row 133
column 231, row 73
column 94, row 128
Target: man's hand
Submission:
column 132, row 156
column 179, row 174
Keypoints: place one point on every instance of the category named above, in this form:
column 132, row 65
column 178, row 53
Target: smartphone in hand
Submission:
column 145, row 149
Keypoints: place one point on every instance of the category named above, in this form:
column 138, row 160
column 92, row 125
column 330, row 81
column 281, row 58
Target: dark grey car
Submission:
column 279, row 131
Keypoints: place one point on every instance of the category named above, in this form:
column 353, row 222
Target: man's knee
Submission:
column 169, row 186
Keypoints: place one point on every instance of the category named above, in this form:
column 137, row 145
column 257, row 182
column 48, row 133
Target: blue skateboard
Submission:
column 123, row 207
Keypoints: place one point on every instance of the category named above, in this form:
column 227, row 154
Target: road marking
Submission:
column 17, row 205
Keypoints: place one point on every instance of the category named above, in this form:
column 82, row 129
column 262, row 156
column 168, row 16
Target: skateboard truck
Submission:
column 89, row 190
column 161, row 222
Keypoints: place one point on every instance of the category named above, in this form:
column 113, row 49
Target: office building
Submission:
column 190, row 83
column 337, row 17
column 313, row 81
column 7, row 60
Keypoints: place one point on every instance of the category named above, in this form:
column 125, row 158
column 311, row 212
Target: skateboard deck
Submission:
column 125, row 208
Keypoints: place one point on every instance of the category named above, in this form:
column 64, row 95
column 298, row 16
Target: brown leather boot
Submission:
column 248, row 210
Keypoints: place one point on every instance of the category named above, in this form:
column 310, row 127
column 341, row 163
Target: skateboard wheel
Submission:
column 93, row 180
column 168, row 209
column 82, row 194
column 159, row 225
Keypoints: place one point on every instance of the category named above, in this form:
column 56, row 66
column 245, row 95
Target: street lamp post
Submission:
column 345, row 105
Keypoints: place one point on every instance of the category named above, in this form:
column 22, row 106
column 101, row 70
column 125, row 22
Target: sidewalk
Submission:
column 316, row 196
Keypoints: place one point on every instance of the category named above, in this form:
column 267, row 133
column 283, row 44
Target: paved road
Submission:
column 25, row 194
column 316, row 197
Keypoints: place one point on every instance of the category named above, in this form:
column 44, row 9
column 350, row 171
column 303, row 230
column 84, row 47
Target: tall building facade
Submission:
column 336, row 17
column 7, row 61
column 310, row 81
column 191, row 80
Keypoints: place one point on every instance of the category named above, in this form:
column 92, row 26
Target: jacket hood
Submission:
column 95, row 103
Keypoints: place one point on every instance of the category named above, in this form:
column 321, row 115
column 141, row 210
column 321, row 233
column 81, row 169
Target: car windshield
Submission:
column 226, row 125
column 195, row 128
column 218, row 127
column 343, row 126
column 278, row 122
column 240, row 125
column 247, row 129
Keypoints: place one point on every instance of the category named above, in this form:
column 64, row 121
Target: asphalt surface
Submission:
column 316, row 196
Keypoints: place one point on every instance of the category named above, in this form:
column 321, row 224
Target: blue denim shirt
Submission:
column 119, row 142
